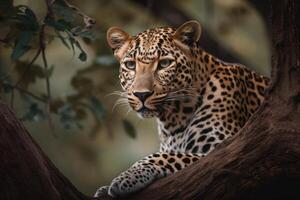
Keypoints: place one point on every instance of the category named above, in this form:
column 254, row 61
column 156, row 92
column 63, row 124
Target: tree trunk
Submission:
column 262, row 162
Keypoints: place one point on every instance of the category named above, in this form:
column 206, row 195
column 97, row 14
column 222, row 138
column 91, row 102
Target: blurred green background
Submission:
column 92, row 155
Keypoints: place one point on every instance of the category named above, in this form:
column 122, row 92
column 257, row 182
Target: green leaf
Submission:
column 63, row 11
column 34, row 114
column 59, row 25
column 27, row 25
column 72, row 42
column 98, row 108
column 31, row 19
column 82, row 56
column 26, row 19
column 79, row 31
column 129, row 128
column 62, row 39
column 22, row 44
column 87, row 34
column 56, row 25
column 62, row 25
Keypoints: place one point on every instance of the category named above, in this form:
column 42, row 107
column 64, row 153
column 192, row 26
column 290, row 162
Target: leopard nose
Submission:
column 143, row 95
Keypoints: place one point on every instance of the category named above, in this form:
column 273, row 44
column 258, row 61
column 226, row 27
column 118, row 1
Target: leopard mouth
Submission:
column 145, row 112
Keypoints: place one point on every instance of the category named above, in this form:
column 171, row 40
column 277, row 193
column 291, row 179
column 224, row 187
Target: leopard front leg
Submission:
column 145, row 171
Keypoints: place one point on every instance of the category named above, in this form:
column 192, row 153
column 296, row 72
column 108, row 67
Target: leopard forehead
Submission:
column 151, row 44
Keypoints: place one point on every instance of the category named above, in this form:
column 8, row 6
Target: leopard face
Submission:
column 155, row 66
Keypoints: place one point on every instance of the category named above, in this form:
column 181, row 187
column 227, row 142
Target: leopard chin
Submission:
column 145, row 112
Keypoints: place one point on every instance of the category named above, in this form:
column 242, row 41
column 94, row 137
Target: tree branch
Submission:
column 26, row 172
column 22, row 90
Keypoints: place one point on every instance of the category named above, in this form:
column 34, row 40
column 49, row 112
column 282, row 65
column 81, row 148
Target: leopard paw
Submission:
column 102, row 191
column 131, row 181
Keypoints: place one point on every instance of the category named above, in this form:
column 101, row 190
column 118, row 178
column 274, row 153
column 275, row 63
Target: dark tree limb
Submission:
column 262, row 162
column 26, row 172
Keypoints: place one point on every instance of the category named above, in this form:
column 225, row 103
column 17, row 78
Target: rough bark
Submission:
column 25, row 171
column 262, row 162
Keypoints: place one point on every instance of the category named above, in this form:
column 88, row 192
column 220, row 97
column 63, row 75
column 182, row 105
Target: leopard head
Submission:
column 155, row 65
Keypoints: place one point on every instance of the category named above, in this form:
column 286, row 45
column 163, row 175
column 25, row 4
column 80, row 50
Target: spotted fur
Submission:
column 198, row 99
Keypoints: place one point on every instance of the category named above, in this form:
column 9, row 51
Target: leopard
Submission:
column 199, row 100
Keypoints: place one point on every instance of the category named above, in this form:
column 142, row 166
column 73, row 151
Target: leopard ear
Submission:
column 188, row 33
column 118, row 40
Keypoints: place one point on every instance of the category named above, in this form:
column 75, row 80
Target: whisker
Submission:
column 161, row 103
column 117, row 93
column 120, row 101
column 128, row 111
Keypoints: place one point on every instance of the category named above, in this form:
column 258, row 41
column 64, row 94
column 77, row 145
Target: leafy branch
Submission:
column 7, row 86
column 25, row 30
column 66, row 23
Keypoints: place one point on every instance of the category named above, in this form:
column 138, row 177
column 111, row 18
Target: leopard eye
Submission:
column 164, row 63
column 130, row 64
